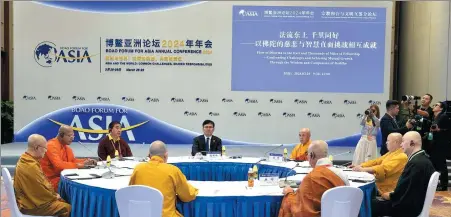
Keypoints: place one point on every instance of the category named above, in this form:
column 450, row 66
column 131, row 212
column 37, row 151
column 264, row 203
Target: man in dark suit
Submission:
column 207, row 142
column 408, row 197
column 389, row 125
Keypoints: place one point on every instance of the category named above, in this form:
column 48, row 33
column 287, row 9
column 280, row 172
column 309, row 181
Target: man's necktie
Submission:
column 208, row 144
column 396, row 123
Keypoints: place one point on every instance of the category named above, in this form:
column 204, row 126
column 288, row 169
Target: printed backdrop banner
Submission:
column 259, row 70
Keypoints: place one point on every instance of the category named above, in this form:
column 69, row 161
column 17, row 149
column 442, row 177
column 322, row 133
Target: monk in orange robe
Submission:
column 34, row 193
column 167, row 178
column 388, row 168
column 59, row 156
column 306, row 201
column 299, row 152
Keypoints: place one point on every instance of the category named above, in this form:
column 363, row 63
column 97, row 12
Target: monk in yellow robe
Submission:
column 299, row 152
column 34, row 193
column 60, row 156
column 167, row 178
column 388, row 168
column 306, row 201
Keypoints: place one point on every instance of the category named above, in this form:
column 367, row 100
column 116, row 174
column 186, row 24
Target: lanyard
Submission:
column 112, row 143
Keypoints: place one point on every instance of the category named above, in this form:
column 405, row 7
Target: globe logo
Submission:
column 45, row 54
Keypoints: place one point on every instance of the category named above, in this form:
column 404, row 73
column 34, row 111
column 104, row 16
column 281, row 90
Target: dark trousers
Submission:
column 426, row 146
column 381, row 208
column 438, row 159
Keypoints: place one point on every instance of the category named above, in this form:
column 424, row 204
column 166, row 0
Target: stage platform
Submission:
column 11, row 152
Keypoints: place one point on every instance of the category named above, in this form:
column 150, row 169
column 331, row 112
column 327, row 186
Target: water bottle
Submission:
column 116, row 155
column 285, row 154
column 108, row 161
column 223, row 151
column 255, row 171
column 250, row 178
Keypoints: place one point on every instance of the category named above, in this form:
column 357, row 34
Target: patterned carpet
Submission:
column 441, row 206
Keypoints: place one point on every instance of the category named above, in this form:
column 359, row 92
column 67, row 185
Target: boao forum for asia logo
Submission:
column 90, row 125
column 47, row 54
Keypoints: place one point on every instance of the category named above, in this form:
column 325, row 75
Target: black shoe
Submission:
column 441, row 188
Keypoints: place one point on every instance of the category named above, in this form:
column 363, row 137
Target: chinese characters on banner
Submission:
column 308, row 49
column 137, row 54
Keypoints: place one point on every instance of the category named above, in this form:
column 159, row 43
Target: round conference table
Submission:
column 222, row 185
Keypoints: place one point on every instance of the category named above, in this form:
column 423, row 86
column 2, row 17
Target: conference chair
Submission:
column 430, row 193
column 11, row 196
column 139, row 201
column 343, row 201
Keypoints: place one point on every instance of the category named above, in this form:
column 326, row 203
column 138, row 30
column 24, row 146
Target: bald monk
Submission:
column 407, row 199
column 60, row 156
column 306, row 201
column 299, row 152
column 168, row 179
column 388, row 168
column 34, row 193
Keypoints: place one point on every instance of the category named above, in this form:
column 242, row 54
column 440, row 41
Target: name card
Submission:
column 273, row 157
column 269, row 179
column 214, row 155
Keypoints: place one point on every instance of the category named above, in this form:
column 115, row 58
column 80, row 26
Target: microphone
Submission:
column 266, row 153
column 145, row 157
column 107, row 175
column 334, row 155
column 296, row 165
column 345, row 164
column 86, row 147
column 291, row 183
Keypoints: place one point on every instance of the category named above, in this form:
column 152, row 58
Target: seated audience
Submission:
column 113, row 143
column 299, row 152
column 167, row 178
column 59, row 156
column 207, row 142
column 306, row 201
column 408, row 197
column 388, row 168
column 34, row 193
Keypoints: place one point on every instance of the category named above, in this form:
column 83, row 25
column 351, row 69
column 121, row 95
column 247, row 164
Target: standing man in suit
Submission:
column 408, row 197
column 389, row 125
column 207, row 142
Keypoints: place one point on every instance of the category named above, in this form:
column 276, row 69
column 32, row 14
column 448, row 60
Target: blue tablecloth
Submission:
column 227, row 171
column 89, row 201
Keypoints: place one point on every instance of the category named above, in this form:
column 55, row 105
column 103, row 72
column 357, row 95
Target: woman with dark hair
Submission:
column 440, row 143
column 367, row 148
column 113, row 145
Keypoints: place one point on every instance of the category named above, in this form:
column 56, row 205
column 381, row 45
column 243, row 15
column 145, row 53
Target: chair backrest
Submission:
column 343, row 201
column 430, row 193
column 10, row 193
column 139, row 201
